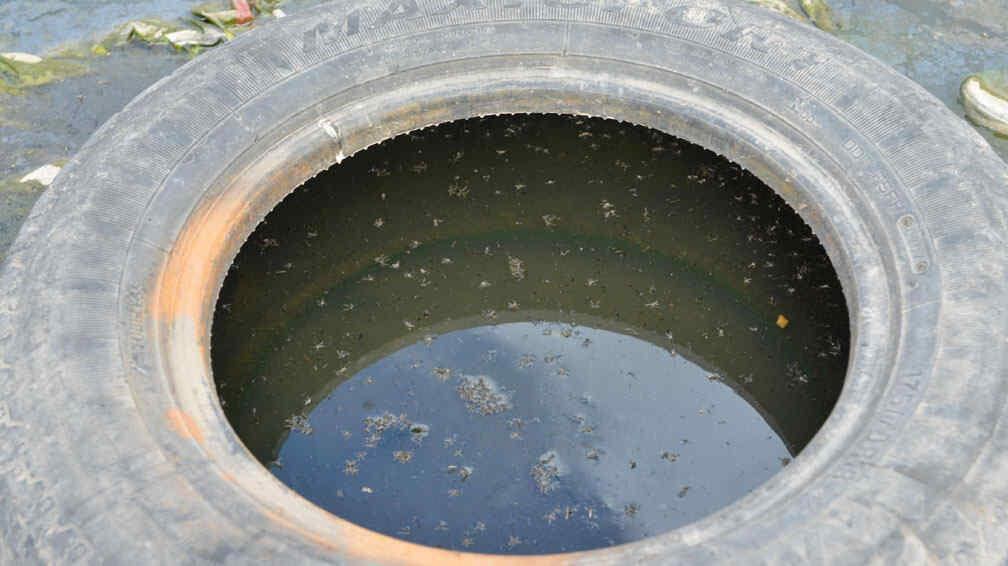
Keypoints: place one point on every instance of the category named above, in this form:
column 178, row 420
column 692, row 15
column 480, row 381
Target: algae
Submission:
column 15, row 75
column 820, row 13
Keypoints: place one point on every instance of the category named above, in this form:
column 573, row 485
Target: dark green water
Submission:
column 529, row 334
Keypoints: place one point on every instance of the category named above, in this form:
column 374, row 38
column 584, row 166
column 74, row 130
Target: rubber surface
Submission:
column 103, row 457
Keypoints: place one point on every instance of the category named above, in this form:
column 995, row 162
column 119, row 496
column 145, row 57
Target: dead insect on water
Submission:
column 517, row 268
column 442, row 374
column 482, row 395
column 546, row 472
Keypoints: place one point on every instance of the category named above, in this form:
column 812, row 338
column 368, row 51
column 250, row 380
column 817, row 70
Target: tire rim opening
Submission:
column 529, row 334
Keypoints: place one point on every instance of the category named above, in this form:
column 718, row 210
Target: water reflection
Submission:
column 529, row 436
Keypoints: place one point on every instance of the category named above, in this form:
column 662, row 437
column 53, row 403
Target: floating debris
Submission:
column 376, row 425
column 526, row 361
column 550, row 220
column 794, row 373
column 669, row 456
column 985, row 98
column 517, row 268
column 482, row 395
column 782, row 321
column 351, row 467
column 299, row 423
column 458, row 190
column 546, row 472
column 463, row 472
column 442, row 374
column 630, row 509
column 608, row 209
column 402, row 456
column 43, row 175
column 418, row 432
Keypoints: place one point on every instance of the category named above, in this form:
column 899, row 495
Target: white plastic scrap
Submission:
column 27, row 58
column 43, row 175
column 983, row 107
column 191, row 37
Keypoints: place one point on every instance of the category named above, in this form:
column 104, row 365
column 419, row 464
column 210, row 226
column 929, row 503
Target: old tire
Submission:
column 114, row 448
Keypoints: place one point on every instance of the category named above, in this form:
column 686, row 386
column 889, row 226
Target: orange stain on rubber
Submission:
column 184, row 425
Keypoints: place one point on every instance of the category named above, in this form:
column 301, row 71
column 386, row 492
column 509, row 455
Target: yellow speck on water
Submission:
column 782, row 321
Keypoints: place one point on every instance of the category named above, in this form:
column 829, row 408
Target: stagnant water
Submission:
column 529, row 334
